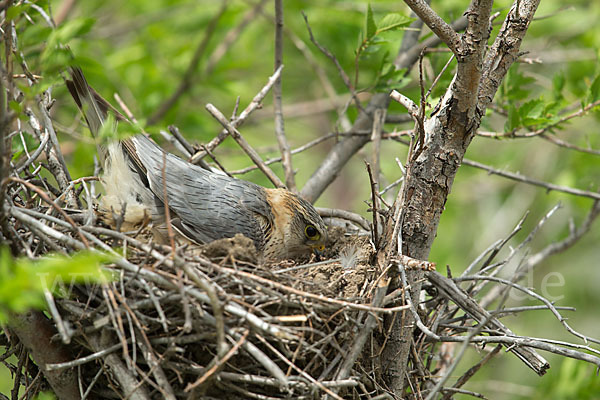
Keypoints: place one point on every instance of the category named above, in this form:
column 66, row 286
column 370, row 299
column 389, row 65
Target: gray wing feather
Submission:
column 210, row 206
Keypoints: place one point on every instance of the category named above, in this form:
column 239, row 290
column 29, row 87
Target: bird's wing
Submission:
column 209, row 205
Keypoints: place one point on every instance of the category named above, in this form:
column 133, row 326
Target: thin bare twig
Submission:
column 374, row 205
column 220, row 362
column 284, row 147
column 333, row 58
column 297, row 150
column 343, row 214
column 254, row 104
column 531, row 293
column 237, row 136
column 532, row 181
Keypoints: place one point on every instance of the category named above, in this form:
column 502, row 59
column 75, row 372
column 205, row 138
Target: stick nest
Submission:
column 205, row 320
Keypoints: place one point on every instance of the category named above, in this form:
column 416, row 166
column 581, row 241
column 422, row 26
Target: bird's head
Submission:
column 297, row 227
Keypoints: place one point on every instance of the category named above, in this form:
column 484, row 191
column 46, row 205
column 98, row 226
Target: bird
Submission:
column 143, row 179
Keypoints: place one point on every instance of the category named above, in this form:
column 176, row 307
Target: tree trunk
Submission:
column 447, row 134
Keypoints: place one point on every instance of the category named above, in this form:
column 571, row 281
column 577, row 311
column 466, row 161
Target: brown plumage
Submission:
column 204, row 205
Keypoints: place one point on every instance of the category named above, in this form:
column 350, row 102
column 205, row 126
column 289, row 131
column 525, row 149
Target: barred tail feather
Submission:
column 93, row 106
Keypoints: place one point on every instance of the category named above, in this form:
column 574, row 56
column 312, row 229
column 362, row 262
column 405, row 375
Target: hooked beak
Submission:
column 319, row 250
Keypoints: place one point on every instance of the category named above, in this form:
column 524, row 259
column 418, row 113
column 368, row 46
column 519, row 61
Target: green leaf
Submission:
column 371, row 27
column 23, row 281
column 517, row 84
column 66, row 32
column 514, row 121
column 15, row 106
column 534, row 113
column 14, row 11
column 594, row 91
column 393, row 21
column 532, row 109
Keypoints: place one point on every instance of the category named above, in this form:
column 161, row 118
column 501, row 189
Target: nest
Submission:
column 206, row 320
column 209, row 321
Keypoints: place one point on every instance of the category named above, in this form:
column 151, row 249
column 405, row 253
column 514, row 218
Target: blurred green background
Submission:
column 141, row 49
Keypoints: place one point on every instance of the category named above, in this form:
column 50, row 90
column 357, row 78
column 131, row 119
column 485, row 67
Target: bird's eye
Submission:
column 311, row 232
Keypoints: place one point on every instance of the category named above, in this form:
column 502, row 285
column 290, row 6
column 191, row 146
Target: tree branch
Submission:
column 35, row 331
column 505, row 50
column 284, row 146
column 444, row 31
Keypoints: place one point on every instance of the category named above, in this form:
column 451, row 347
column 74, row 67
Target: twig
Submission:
column 437, row 78
column 452, row 291
column 335, row 61
column 56, row 162
column 63, row 328
column 363, row 332
column 261, row 380
column 440, row 383
column 532, row 181
column 378, row 121
column 553, row 139
column 495, row 248
column 374, row 206
column 343, row 214
column 237, row 136
column 531, row 293
column 35, row 155
column 301, row 372
column 318, row 297
column 471, row 371
column 410, row 105
column 47, row 199
column 131, row 387
column 184, row 143
column 541, row 132
column 444, row 31
column 219, row 363
column 520, row 342
column 84, row 360
column 284, row 146
column 300, row 149
column 165, row 388
column 215, row 304
column 254, row 104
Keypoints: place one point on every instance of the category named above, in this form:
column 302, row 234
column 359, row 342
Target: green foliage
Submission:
column 516, row 85
column 56, row 55
column 576, row 381
column 112, row 130
column 594, row 91
column 23, row 281
column 370, row 45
